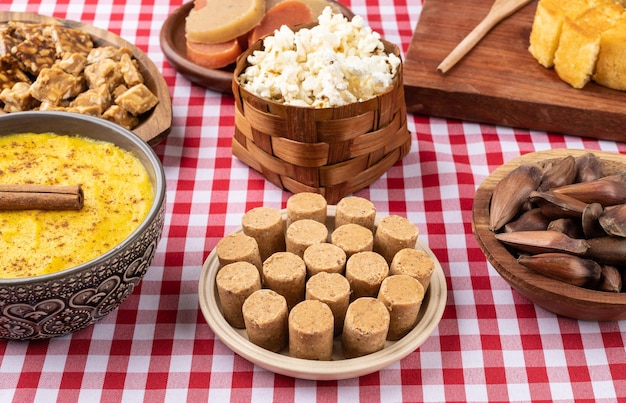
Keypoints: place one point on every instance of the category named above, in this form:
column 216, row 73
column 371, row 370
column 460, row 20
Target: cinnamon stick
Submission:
column 41, row 197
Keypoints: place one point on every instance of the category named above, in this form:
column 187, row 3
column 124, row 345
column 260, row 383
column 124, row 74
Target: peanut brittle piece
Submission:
column 48, row 66
column 94, row 101
column 105, row 71
column 48, row 106
column 121, row 116
column 7, row 42
column 107, row 52
column 35, row 50
column 137, row 99
column 18, row 98
column 69, row 40
column 72, row 63
column 54, row 85
column 119, row 90
column 130, row 71
column 10, row 74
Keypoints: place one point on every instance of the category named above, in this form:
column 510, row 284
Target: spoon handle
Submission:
column 498, row 12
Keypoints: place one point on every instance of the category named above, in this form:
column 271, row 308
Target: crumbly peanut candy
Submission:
column 32, row 47
column 119, row 115
column 7, row 41
column 10, row 74
column 18, row 98
column 54, row 85
column 37, row 51
column 137, row 99
column 69, row 40
column 119, row 90
column 107, row 52
column 61, row 63
column 104, row 71
column 94, row 101
column 48, row 106
column 130, row 71
column 72, row 63
column 353, row 238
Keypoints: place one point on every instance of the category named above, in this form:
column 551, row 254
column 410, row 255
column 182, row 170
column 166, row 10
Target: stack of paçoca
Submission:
column 583, row 40
column 217, row 32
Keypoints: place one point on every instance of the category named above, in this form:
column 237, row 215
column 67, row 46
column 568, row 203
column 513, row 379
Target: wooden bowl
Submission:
column 172, row 41
column 556, row 296
column 154, row 125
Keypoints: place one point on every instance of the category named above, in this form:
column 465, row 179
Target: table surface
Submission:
column 491, row 344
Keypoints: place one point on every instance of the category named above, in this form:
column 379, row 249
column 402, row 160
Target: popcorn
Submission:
column 334, row 63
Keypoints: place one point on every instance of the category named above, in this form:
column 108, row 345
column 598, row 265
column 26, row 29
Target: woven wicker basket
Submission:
column 332, row 151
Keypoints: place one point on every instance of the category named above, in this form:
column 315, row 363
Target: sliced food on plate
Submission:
column 218, row 32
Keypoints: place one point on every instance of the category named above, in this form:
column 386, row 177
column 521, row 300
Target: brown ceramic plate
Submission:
column 173, row 45
column 556, row 296
column 431, row 311
column 155, row 125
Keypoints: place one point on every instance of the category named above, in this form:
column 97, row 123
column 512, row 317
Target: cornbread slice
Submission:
column 334, row 290
column 547, row 24
column 311, row 331
column 285, row 273
column 306, row 205
column 402, row 295
column 353, row 238
column 324, row 257
column 236, row 282
column 365, row 272
column 304, row 233
column 365, row 328
column 577, row 53
column 266, row 317
column 355, row 210
column 415, row 263
column 265, row 224
column 393, row 234
column 611, row 64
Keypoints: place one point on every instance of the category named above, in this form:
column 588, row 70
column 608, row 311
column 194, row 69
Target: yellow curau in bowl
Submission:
column 117, row 190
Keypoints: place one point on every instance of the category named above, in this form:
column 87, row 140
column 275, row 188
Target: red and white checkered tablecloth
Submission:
column 491, row 345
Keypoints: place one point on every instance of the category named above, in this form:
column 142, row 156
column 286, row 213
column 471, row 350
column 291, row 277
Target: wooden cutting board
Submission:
column 499, row 82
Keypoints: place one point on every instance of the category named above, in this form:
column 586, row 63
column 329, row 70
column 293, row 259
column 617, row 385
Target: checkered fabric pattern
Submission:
column 491, row 345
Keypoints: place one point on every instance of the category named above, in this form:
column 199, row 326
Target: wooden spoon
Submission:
column 500, row 10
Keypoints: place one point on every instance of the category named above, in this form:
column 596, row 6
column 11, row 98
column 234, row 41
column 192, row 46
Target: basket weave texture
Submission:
column 332, row 151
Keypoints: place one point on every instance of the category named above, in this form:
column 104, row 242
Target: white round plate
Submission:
column 431, row 312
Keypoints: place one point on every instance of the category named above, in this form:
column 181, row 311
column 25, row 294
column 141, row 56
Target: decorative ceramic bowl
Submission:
column 554, row 295
column 55, row 304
